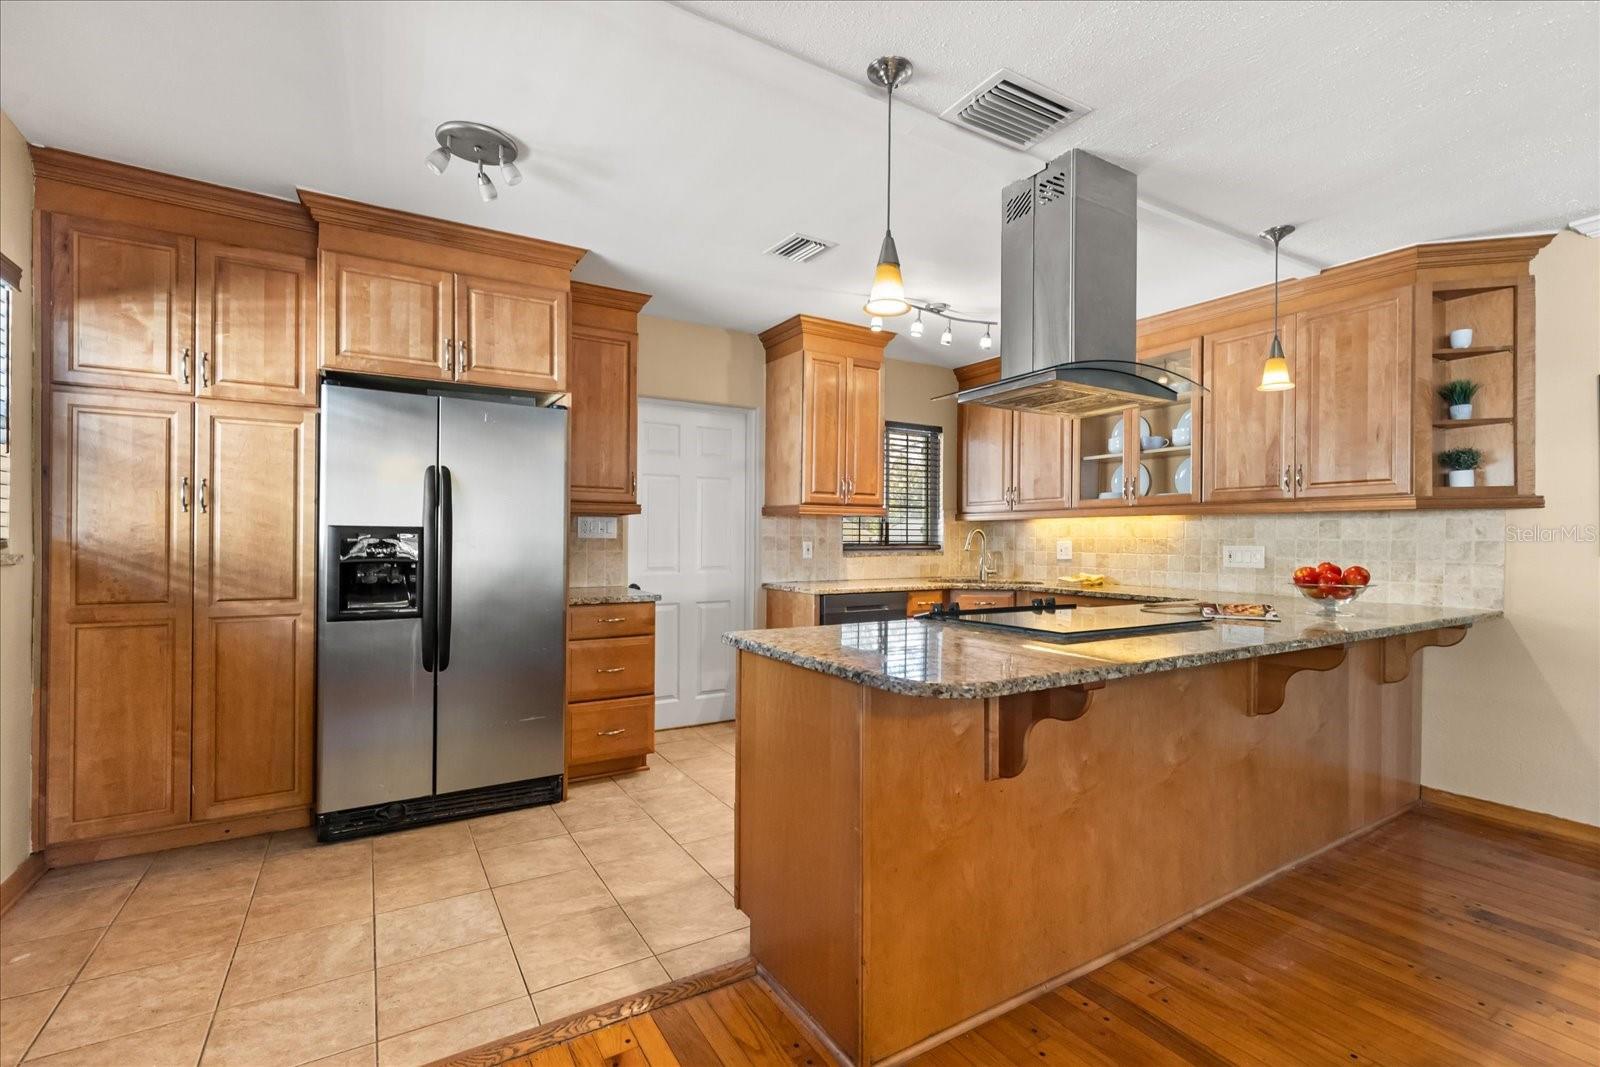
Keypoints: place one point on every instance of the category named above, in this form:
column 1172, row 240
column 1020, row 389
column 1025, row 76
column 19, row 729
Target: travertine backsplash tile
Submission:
column 1432, row 558
column 597, row 560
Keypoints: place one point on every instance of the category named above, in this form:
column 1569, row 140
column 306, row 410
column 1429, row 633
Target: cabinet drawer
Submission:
column 982, row 598
column 917, row 603
column 616, row 667
column 610, row 729
column 612, row 620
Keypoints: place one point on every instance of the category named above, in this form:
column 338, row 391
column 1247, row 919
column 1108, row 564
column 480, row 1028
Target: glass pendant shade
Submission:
column 888, row 296
column 1275, row 371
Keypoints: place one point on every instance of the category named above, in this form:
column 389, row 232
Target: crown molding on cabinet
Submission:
column 337, row 211
column 810, row 327
column 605, row 296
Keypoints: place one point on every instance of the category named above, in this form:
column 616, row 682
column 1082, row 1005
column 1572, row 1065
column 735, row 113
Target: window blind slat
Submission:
column 911, row 459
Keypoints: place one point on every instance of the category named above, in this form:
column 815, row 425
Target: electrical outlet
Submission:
column 1063, row 548
column 805, row 548
column 1247, row 557
column 597, row 527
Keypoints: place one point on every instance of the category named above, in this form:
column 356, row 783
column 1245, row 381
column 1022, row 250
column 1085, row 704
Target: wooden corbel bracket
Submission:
column 1398, row 650
column 1008, row 720
column 1269, row 675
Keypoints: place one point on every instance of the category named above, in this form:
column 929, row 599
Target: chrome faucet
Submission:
column 985, row 568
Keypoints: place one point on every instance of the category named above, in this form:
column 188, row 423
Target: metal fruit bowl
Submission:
column 1332, row 599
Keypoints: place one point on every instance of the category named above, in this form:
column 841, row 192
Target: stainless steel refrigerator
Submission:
column 441, row 659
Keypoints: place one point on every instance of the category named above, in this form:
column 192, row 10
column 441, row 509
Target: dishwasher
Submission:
column 862, row 607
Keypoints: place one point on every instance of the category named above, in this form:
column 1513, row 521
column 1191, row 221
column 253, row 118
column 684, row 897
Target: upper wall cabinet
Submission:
column 135, row 308
column 604, row 382
column 1249, row 435
column 411, row 297
column 824, row 433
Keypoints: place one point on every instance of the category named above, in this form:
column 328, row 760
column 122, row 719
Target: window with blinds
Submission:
column 911, row 455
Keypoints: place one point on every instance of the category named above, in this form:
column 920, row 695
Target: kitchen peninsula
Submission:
column 920, row 847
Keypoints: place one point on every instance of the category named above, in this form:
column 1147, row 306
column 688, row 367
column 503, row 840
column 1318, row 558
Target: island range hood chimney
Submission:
column 1068, row 242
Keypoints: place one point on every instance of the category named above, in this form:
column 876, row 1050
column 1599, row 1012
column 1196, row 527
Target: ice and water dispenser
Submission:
column 378, row 571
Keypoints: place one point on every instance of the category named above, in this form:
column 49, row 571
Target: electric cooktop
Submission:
column 1049, row 621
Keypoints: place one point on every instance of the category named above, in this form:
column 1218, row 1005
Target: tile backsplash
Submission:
column 1416, row 557
column 597, row 560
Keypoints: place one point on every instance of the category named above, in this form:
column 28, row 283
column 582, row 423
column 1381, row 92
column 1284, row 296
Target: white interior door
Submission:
column 691, row 545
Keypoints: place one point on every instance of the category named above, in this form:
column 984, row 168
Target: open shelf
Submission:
column 1102, row 457
column 1456, row 424
column 1468, row 353
column 1168, row 450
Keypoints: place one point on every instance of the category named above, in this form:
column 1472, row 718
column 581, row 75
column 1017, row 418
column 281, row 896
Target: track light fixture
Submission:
column 877, row 324
column 942, row 311
column 916, row 327
column 479, row 144
column 986, row 342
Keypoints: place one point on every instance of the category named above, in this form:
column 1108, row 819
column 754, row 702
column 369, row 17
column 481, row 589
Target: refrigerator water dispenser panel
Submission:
column 377, row 571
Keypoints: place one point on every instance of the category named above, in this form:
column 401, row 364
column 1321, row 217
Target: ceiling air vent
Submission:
column 1013, row 110
column 798, row 248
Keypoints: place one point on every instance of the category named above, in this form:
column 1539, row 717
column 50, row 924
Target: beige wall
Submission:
column 1513, row 714
column 17, row 559
column 700, row 364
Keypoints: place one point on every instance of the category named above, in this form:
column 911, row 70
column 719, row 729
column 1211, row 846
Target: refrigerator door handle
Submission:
column 446, row 553
column 430, row 566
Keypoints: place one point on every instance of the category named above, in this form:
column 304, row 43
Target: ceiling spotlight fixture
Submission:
column 1275, row 371
column 888, row 296
column 947, row 337
column 916, row 327
column 479, row 144
column 877, row 324
column 986, row 342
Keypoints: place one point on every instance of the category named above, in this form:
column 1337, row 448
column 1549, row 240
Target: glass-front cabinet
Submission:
column 1147, row 456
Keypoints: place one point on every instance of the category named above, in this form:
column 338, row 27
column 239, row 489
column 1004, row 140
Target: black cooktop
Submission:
column 1044, row 618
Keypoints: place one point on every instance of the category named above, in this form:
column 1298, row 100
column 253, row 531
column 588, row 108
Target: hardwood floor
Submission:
column 1439, row 938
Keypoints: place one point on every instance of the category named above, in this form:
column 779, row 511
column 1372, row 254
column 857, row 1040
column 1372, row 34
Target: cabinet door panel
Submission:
column 254, row 609
column 864, row 435
column 826, row 383
column 117, row 713
column 385, row 318
column 1353, row 397
column 121, row 306
column 1248, row 435
column 605, row 413
column 1042, row 462
column 254, row 315
column 985, row 441
column 511, row 335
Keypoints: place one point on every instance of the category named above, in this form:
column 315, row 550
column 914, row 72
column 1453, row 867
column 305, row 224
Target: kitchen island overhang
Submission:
column 935, row 824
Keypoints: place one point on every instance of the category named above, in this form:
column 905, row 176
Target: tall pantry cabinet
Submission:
column 179, row 338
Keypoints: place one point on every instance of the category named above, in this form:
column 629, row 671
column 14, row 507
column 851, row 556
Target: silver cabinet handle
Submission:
column 1286, row 478
column 633, row 482
column 450, row 355
column 1299, row 476
column 461, row 351
column 614, row 618
column 205, row 370
column 185, row 362
column 205, row 505
column 614, row 733
column 183, row 493
column 609, row 670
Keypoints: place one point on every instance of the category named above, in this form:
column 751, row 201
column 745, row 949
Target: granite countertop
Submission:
column 1110, row 591
column 955, row 660
column 579, row 595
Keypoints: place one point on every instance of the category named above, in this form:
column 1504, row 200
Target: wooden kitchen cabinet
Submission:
column 985, row 451
column 1013, row 462
column 610, row 688
column 1352, row 397
column 1249, row 435
column 511, row 335
column 969, row 599
column 254, row 608
column 382, row 317
column 117, row 718
column 603, row 377
column 120, row 305
column 824, row 433
column 255, row 325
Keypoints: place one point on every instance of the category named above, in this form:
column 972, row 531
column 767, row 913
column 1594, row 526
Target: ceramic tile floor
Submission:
column 276, row 951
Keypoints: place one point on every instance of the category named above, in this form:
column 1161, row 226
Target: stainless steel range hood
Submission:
column 1067, row 284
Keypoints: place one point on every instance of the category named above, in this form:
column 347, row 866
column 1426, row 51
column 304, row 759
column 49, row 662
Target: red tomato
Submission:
column 1329, row 571
column 1357, row 575
column 1305, row 576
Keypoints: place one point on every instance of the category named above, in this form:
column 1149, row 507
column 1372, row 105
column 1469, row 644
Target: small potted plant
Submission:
column 1458, row 394
column 1462, row 465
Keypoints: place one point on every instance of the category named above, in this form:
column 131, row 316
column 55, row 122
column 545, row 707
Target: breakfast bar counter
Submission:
column 936, row 821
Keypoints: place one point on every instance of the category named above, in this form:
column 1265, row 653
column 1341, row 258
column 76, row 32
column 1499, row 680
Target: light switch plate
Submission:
column 601, row 527
column 1247, row 557
column 1063, row 548
column 805, row 548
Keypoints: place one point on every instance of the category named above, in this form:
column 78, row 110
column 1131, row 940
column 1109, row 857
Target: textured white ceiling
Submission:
column 678, row 148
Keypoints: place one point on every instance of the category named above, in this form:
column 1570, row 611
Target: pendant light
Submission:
column 888, row 296
column 1275, row 371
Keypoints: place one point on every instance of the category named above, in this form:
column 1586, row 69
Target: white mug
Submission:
column 1461, row 338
